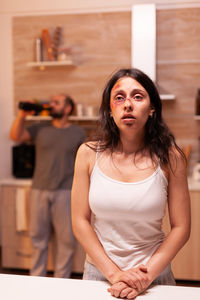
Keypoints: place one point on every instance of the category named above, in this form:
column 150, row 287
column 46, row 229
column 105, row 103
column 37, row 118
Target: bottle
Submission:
column 37, row 107
column 38, row 50
column 197, row 103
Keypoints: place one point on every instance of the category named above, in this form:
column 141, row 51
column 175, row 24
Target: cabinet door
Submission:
column 186, row 264
column 16, row 245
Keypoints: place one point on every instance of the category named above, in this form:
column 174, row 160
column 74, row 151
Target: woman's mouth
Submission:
column 128, row 118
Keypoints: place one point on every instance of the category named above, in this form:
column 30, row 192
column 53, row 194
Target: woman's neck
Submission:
column 131, row 143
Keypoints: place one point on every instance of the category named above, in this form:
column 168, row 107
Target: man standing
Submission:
column 56, row 145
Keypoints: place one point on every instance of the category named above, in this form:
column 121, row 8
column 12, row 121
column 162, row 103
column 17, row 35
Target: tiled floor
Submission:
column 79, row 276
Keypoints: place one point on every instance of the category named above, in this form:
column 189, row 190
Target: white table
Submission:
column 17, row 287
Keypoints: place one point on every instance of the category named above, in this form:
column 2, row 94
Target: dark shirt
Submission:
column 55, row 155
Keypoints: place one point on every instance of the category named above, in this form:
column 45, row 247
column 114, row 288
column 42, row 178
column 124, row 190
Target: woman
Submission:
column 124, row 180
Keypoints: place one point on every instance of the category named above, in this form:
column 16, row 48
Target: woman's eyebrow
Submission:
column 132, row 92
column 138, row 91
column 119, row 91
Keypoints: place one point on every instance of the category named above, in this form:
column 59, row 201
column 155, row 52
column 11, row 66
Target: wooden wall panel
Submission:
column 178, row 72
column 101, row 45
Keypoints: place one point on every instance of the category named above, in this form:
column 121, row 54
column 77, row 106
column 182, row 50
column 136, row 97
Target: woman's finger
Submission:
column 116, row 288
column 132, row 294
column 125, row 292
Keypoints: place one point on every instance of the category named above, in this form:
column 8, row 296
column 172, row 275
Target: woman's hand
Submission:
column 136, row 278
column 122, row 290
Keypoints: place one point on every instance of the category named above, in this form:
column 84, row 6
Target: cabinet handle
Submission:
column 19, row 253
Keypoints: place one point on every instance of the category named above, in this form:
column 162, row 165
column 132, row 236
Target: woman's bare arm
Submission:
column 179, row 214
column 81, row 213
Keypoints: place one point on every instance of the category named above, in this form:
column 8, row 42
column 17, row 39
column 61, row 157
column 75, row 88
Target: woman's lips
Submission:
column 128, row 118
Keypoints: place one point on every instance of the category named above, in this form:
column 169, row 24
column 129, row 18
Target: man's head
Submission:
column 61, row 105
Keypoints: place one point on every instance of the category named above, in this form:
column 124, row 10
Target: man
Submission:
column 56, row 145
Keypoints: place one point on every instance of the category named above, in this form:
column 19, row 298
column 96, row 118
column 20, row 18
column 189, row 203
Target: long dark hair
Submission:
column 158, row 139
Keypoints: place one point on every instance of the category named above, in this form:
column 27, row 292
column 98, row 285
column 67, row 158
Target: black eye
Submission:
column 119, row 98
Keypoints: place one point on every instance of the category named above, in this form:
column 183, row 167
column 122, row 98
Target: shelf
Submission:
column 178, row 61
column 72, row 118
column 84, row 118
column 43, row 64
column 167, row 97
column 38, row 118
column 197, row 117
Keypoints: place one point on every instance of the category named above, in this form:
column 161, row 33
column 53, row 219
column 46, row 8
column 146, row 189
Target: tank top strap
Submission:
column 97, row 151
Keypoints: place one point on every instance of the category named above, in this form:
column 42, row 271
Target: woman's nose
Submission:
column 128, row 103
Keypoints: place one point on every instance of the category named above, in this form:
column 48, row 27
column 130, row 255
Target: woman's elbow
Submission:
column 187, row 234
column 186, row 230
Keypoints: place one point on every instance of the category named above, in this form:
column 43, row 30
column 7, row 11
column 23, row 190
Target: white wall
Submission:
column 36, row 6
column 6, row 94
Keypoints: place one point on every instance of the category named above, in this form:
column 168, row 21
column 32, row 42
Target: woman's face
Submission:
column 130, row 104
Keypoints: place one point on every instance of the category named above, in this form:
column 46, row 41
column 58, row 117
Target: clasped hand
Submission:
column 130, row 283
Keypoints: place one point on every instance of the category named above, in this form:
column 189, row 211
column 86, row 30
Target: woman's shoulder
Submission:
column 87, row 151
column 175, row 153
column 177, row 160
column 88, row 147
column 86, row 155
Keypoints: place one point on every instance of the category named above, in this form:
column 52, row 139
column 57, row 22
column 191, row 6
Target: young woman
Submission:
column 123, row 181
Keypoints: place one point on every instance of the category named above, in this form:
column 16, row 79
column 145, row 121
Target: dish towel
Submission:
column 21, row 217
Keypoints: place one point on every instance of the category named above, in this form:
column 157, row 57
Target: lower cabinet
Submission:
column 186, row 264
column 16, row 245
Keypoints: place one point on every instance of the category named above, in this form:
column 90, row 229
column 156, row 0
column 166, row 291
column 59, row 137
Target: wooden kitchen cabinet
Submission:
column 16, row 245
column 186, row 264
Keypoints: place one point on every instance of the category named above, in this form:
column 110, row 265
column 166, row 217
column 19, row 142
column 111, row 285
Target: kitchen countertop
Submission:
column 193, row 185
column 15, row 181
column 20, row 287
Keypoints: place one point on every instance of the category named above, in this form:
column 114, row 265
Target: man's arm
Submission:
column 18, row 132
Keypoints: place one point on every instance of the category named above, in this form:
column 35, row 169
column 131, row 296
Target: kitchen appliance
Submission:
column 23, row 160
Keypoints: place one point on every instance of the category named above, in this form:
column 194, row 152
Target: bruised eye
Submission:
column 119, row 98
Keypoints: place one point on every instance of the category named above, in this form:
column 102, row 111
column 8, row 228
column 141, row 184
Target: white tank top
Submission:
column 127, row 217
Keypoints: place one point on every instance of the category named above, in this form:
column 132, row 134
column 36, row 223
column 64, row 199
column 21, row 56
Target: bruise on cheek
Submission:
column 114, row 104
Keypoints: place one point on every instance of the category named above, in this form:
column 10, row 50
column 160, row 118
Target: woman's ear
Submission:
column 151, row 111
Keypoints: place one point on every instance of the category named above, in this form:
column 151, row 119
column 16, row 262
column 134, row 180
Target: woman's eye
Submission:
column 119, row 98
column 138, row 97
